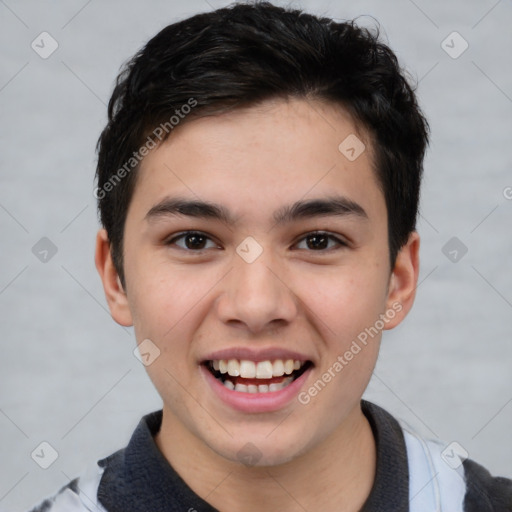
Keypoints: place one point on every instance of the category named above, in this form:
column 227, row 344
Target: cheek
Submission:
column 169, row 310
column 345, row 301
column 165, row 304
column 345, row 309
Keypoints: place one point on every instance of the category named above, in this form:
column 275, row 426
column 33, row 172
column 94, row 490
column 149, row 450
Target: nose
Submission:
column 257, row 296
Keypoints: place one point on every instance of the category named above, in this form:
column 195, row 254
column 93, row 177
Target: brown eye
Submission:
column 320, row 241
column 317, row 241
column 192, row 241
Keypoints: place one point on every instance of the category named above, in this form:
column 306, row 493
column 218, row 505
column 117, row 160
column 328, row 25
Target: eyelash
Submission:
column 341, row 243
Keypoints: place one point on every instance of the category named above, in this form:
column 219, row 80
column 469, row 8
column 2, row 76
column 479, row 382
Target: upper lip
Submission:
column 256, row 355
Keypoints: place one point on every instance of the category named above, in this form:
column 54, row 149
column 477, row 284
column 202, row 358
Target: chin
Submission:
column 263, row 450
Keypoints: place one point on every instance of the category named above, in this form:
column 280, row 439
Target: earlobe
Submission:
column 404, row 280
column 114, row 292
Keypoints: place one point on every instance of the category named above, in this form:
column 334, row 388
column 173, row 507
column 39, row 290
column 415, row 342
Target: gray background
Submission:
column 68, row 374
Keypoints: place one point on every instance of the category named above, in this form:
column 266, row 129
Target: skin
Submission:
column 315, row 301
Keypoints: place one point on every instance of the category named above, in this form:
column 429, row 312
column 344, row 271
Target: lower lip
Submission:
column 255, row 402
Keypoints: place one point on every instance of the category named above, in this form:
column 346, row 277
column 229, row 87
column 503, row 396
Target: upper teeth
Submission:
column 260, row 370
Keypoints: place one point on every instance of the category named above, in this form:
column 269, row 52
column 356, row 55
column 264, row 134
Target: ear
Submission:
column 114, row 292
column 404, row 280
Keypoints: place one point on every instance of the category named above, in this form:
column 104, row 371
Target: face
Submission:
column 256, row 263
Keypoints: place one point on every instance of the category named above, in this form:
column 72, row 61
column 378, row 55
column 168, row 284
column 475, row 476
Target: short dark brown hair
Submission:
column 240, row 56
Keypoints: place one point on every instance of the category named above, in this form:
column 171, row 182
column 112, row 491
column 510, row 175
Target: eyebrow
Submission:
column 331, row 206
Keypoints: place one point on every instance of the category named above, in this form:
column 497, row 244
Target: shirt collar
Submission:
column 138, row 477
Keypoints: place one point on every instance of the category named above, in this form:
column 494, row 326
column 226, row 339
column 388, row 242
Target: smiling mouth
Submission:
column 254, row 377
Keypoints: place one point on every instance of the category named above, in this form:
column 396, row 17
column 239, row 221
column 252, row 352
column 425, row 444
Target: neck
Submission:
column 338, row 472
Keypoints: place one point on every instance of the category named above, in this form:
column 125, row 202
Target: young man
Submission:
column 258, row 185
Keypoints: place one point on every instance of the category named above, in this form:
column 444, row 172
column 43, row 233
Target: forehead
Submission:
column 261, row 157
